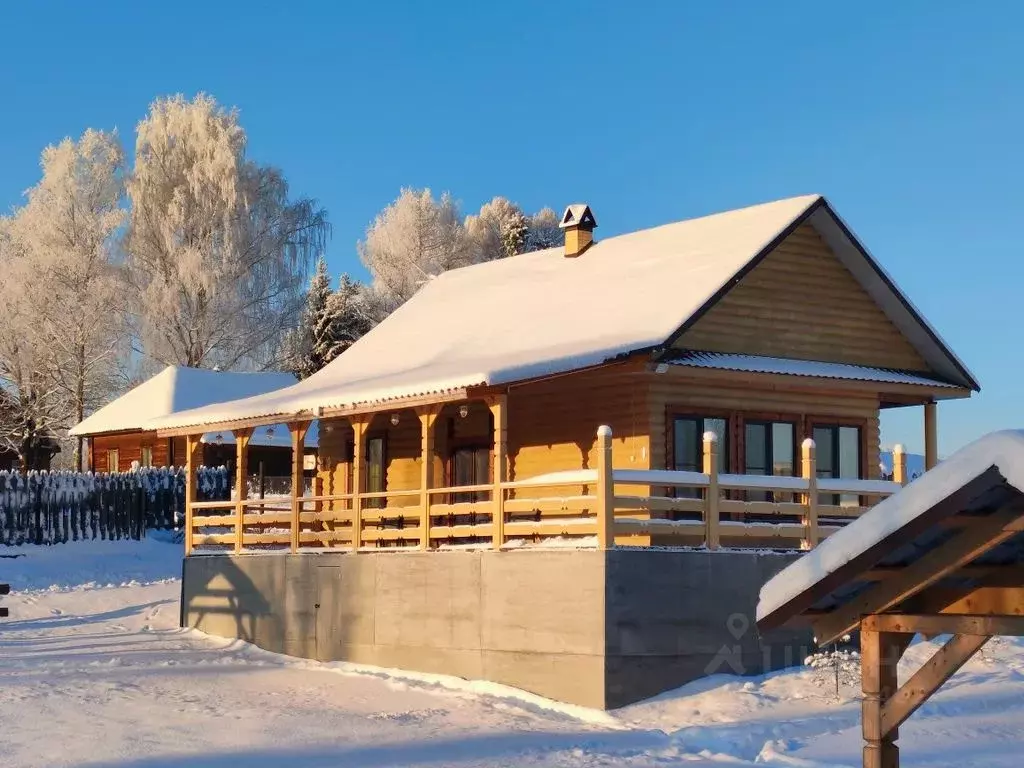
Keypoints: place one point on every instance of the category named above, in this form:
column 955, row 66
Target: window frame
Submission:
column 834, row 424
column 114, row 453
column 769, row 422
column 379, row 503
column 146, row 456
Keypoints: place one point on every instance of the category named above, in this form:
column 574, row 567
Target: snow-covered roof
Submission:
column 541, row 313
column 1002, row 450
column 268, row 436
column 760, row 364
column 173, row 390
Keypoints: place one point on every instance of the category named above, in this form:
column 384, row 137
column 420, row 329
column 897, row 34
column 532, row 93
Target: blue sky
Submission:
column 908, row 116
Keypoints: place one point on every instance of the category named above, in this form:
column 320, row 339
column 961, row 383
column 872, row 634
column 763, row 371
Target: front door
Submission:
column 328, row 614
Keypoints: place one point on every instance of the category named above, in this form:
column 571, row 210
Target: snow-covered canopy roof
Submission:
column 173, row 390
column 268, row 436
column 541, row 313
column 979, row 481
column 761, row 364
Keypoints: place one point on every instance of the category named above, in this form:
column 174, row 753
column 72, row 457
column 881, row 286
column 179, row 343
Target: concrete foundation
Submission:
column 601, row 629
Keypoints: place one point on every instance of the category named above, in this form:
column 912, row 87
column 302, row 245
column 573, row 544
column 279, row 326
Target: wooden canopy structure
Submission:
column 943, row 556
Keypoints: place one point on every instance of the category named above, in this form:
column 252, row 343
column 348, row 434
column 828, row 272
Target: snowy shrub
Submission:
column 836, row 666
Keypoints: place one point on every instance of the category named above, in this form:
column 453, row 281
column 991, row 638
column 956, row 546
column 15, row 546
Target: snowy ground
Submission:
column 93, row 671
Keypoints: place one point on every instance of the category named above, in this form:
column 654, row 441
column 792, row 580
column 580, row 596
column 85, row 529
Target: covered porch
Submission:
column 455, row 474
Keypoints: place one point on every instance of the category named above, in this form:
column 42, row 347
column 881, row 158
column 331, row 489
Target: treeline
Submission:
column 188, row 252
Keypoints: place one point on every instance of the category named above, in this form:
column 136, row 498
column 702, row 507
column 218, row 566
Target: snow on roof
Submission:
column 270, row 436
column 541, row 313
column 760, row 364
column 173, row 390
column 534, row 314
column 1002, row 450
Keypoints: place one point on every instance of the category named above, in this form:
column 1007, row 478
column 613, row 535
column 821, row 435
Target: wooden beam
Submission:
column 928, row 679
column 192, row 461
column 428, row 417
column 242, row 437
column 359, row 427
column 988, row 532
column 931, row 435
column 713, row 497
column 879, row 657
column 298, row 431
column 945, row 624
column 987, row 599
column 499, row 414
column 605, row 489
column 809, row 471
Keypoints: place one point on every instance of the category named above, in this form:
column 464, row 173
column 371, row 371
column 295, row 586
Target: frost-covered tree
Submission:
column 332, row 321
column 216, row 251
column 412, row 240
column 65, row 329
column 543, row 232
column 498, row 231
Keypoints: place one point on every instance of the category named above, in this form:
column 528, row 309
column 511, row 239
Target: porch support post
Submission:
column 809, row 470
column 428, row 417
column 359, row 426
column 298, row 431
column 242, row 437
column 499, row 414
column 879, row 655
column 192, row 461
column 931, row 435
column 605, row 489
column 713, row 497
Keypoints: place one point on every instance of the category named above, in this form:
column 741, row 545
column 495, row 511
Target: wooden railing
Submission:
column 601, row 507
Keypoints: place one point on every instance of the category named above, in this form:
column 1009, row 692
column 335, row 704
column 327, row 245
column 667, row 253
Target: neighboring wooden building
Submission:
column 117, row 439
column 764, row 327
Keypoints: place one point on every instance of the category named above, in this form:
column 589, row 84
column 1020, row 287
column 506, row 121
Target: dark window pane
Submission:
column 824, row 450
column 686, row 445
column 849, row 460
column 756, row 449
column 375, row 470
column 783, row 439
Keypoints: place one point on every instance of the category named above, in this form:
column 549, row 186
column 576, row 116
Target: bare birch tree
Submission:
column 216, row 251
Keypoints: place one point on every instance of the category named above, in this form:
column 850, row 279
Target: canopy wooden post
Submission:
column 192, row 461
column 931, row 435
column 605, row 489
column 428, row 417
column 899, row 464
column 242, row 437
column 809, row 471
column 298, row 431
column 359, row 426
column 499, row 415
column 711, row 502
column 879, row 657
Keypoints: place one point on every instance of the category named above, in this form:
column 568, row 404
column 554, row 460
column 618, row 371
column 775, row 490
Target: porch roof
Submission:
column 541, row 313
column 973, row 501
column 760, row 364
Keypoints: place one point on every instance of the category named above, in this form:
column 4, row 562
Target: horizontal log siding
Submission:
column 801, row 302
column 553, row 424
column 805, row 405
column 129, row 446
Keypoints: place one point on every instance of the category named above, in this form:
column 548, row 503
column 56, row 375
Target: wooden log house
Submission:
column 746, row 356
column 117, row 438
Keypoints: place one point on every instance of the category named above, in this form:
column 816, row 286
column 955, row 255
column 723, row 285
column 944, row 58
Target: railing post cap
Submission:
column 898, row 448
column 604, row 431
column 808, row 443
column 710, row 437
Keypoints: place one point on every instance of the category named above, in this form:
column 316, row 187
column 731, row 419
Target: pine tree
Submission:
column 351, row 318
column 313, row 339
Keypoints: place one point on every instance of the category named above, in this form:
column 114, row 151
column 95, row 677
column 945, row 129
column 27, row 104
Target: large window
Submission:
column 113, row 460
column 470, row 466
column 688, row 446
column 146, row 459
column 769, row 448
column 838, row 455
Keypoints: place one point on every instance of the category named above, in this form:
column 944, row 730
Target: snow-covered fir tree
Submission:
column 332, row 321
column 542, row 231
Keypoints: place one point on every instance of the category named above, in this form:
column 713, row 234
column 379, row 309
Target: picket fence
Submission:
column 57, row 507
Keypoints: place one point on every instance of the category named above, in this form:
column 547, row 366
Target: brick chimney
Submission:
column 578, row 222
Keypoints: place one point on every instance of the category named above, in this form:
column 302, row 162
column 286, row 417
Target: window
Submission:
column 838, row 455
column 146, row 459
column 769, row 449
column 376, row 472
column 470, row 466
column 688, row 446
column 113, row 460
